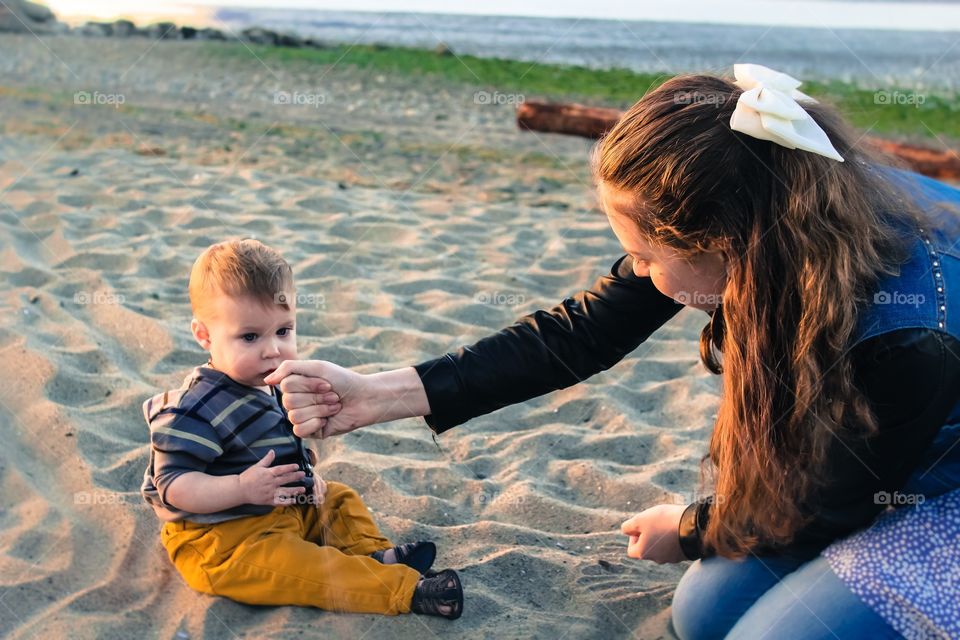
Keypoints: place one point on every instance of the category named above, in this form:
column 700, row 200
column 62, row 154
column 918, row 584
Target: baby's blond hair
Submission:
column 240, row 268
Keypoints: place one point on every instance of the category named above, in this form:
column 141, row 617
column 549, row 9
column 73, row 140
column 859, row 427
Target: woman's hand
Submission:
column 655, row 534
column 323, row 399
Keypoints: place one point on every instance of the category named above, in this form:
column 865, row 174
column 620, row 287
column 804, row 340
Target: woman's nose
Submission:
column 640, row 269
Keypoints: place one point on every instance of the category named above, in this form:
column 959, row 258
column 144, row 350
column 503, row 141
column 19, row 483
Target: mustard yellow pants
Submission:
column 295, row 555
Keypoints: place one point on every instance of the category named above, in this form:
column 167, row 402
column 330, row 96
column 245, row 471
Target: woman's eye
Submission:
column 249, row 337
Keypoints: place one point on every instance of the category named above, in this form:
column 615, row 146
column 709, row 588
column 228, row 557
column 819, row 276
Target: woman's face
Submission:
column 696, row 282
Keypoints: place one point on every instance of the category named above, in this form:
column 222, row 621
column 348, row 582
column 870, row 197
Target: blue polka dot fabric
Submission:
column 906, row 567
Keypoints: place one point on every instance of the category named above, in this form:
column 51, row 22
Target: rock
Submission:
column 288, row 40
column 443, row 49
column 36, row 12
column 18, row 16
column 124, row 29
column 96, row 29
column 163, row 31
column 210, row 34
column 258, row 35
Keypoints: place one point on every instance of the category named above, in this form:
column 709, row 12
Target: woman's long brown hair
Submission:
column 805, row 240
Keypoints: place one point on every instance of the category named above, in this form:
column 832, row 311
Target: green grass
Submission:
column 937, row 117
column 618, row 87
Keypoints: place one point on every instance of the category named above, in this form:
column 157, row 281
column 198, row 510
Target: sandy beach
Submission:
column 416, row 218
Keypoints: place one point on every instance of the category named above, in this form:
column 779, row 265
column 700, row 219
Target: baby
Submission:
column 244, row 515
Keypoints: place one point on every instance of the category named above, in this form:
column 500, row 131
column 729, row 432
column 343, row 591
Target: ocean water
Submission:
column 871, row 58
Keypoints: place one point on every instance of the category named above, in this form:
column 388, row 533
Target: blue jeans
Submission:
column 770, row 597
column 796, row 596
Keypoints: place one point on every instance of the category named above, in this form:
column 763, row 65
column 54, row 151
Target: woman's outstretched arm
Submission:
column 546, row 350
column 542, row 352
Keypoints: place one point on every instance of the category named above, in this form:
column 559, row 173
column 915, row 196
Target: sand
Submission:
column 416, row 220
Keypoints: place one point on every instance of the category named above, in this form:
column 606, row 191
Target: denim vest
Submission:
column 926, row 292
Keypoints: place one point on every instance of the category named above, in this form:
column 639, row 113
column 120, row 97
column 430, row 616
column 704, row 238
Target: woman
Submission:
column 826, row 277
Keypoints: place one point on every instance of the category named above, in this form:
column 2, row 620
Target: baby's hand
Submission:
column 263, row 484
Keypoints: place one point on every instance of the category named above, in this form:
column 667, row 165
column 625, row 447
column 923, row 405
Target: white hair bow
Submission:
column 768, row 109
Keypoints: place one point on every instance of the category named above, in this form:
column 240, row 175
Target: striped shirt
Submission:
column 220, row 427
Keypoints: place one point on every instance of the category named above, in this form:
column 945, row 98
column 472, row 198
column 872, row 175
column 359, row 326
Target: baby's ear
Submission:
column 200, row 333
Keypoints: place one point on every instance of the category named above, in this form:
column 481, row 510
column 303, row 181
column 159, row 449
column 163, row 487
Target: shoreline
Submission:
column 902, row 115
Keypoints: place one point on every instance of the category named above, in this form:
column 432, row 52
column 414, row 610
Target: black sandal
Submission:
column 442, row 589
column 416, row 555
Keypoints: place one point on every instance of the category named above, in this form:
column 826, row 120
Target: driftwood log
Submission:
column 593, row 122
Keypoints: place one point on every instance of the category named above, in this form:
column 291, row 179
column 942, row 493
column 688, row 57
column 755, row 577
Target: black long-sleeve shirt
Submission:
column 911, row 377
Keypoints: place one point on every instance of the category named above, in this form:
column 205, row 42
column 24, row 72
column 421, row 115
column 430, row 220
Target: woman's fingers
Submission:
column 302, row 384
column 314, row 368
column 300, row 416
column 299, row 400
column 312, row 428
column 635, row 548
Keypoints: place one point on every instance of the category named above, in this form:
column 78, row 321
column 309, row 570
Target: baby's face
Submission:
column 246, row 339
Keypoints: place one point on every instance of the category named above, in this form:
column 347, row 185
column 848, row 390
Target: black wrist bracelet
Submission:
column 689, row 536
